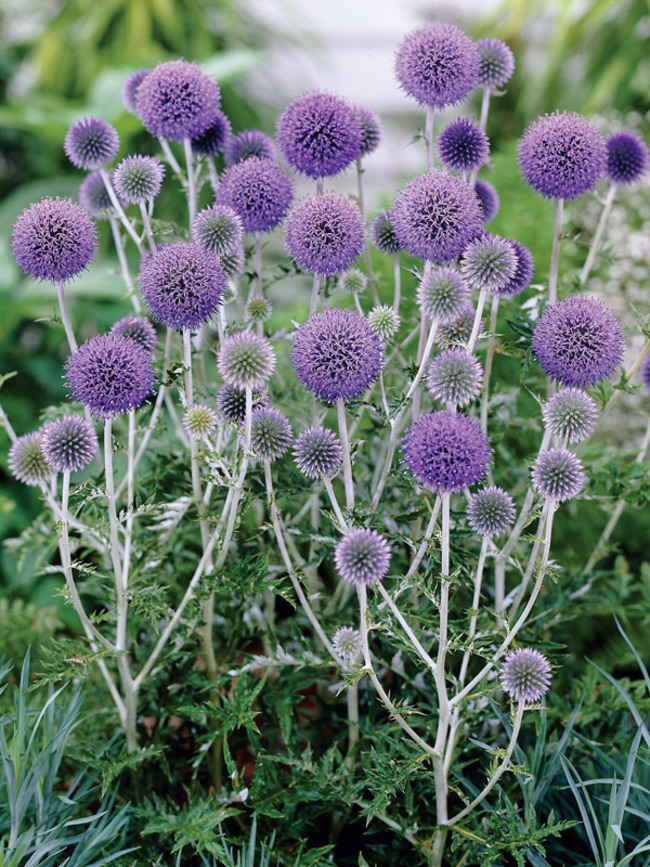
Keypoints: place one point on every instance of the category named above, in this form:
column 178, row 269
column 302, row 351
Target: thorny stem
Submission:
column 476, row 327
column 407, row 629
column 327, row 484
column 598, row 237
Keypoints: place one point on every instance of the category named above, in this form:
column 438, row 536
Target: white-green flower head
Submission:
column 385, row 321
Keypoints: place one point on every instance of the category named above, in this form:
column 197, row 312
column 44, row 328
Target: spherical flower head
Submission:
column 139, row 328
column 319, row 134
column 446, row 451
column 246, row 360
column 371, row 130
column 353, row 281
column 318, row 453
column 214, row 139
column 382, row 234
column 90, row 143
column 231, row 402
column 491, row 512
column 258, row 191
column 177, row 100
column 138, row 179
column 324, row 234
column 557, row 475
column 218, row 229
column 362, row 557
column 249, row 143
column 54, row 239
column 488, row 199
column 258, row 310
column 570, row 414
column 94, row 198
column 182, row 283
column 562, row 156
column 346, row 641
column 69, row 444
column 435, row 216
column 489, row 263
column 496, row 63
column 336, row 354
column 644, row 372
column 271, row 434
column 110, row 375
column 457, row 331
column 578, row 341
column 200, row 422
column 234, row 262
column 455, row 377
column 627, row 158
column 130, row 90
column 463, row 146
column 520, row 280
column 526, row 675
column 27, row 460
column 442, row 294
column 385, row 321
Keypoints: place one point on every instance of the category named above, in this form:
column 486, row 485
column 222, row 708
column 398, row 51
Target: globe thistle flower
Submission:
column 271, row 434
column 246, row 360
column 91, row 143
column 570, row 414
column 234, row 262
column 457, row 331
column 319, row 134
column 382, row 234
column 231, row 402
column 110, row 375
column 182, row 283
column 27, row 460
column 258, row 191
column 562, row 156
column 258, row 310
column 138, row 328
column 446, row 451
column 557, row 475
column 463, row 146
column 385, row 321
column 496, row 63
column 362, row 557
column 435, row 216
column 200, row 422
column 371, row 130
column 437, row 64
column 130, row 90
column 627, row 158
column 488, row 199
column 526, row 675
column 69, row 444
column 54, row 239
column 213, row 140
column 520, row 280
column 491, row 512
column 346, row 641
column 442, row 295
column 353, row 281
column 336, row 354
column 489, row 263
column 455, row 377
column 578, row 341
column 94, row 198
column 249, row 143
column 324, row 234
column 177, row 100
column 218, row 229
column 138, row 179
column 644, row 372
column 318, row 453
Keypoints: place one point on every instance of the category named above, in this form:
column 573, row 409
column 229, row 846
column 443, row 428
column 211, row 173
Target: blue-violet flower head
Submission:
column 526, row 675
column 214, row 139
column 27, row 462
column 491, row 512
column 318, row 453
column 138, row 328
column 69, row 443
column 177, row 100
column 258, row 191
column 455, row 377
column 488, row 199
column 442, row 294
column 362, row 557
column 249, row 143
column 489, row 263
column 90, row 143
column 570, row 414
column 271, row 434
column 463, row 146
column 382, row 233
column 496, row 63
column 138, row 179
column 324, row 234
column 219, row 229
column 627, row 158
column 557, row 475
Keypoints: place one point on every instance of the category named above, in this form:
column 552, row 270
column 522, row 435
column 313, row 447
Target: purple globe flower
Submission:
column 249, row 143
column 346, row 641
column 27, row 460
column 54, row 239
column 437, row 64
column 491, row 512
column 177, row 100
column 578, row 341
column 557, row 475
column 435, row 216
column 526, row 675
column 446, row 451
column 231, row 402
column 496, row 63
column 382, row 234
column 271, row 434
column 371, row 130
column 91, row 143
column 319, row 134
column 318, row 453
column 110, row 375
column 324, row 234
column 94, row 198
column 218, row 229
column 258, row 191
column 336, row 354
column 455, row 377
column 562, row 156
column 627, row 158
column 138, row 179
column 442, row 294
column 69, row 444
column 200, row 422
column 463, row 146
column 644, row 372
column 138, row 328
column 362, row 557
column 570, row 414
column 488, row 199
column 130, row 90
column 520, row 281
column 246, row 360
column 214, row 139
column 489, row 263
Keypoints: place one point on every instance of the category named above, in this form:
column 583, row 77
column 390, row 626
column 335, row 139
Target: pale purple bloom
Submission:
column 249, row 143
column 644, row 372
column 69, row 443
column 271, row 434
column 570, row 414
column 214, row 139
column 382, row 233
column 324, row 234
column 488, row 199
column 246, row 360
column 627, row 158
column 91, row 143
column 489, row 263
column 130, row 90
column 454, row 376
column 491, row 512
column 177, row 100
column 27, row 462
column 371, row 131
column 463, row 146
column 318, row 453
column 496, row 63
column 362, row 557
column 526, row 675
column 557, row 475
column 258, row 191
column 138, row 179
column 219, row 229
column 524, row 271
column 138, row 328
column 94, row 198
column 442, row 294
